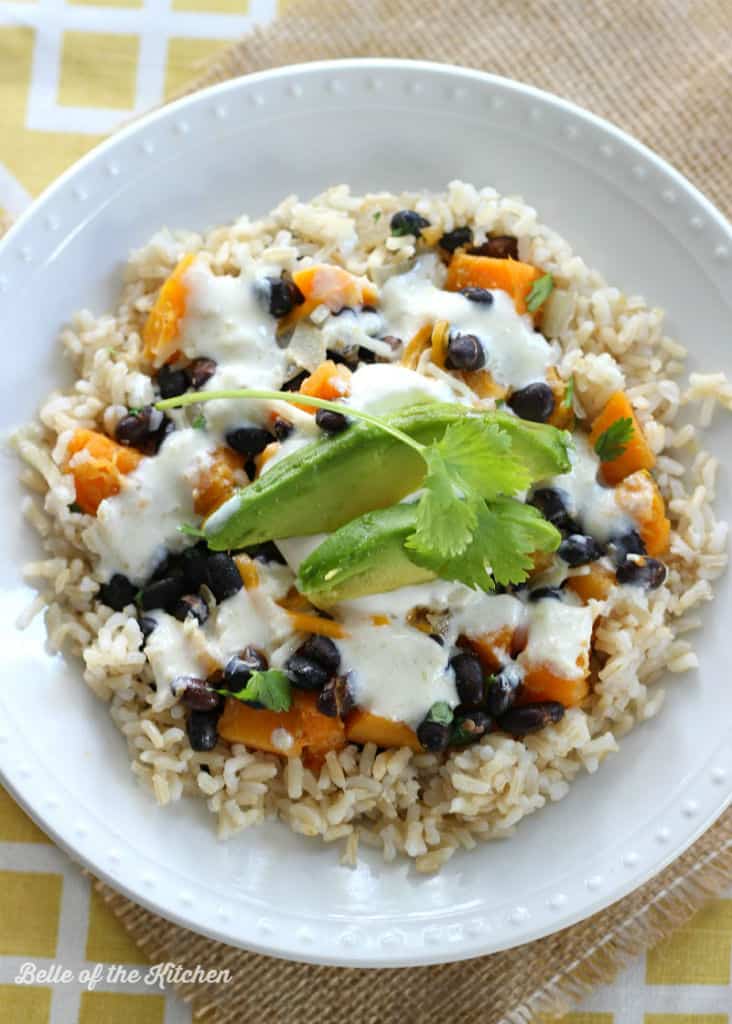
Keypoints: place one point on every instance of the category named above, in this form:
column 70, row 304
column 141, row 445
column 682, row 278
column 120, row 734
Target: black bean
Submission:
column 321, row 649
column 248, row 440
column 194, row 562
column 170, row 565
column 438, row 639
column 197, row 694
column 335, row 699
column 223, row 576
column 531, row 717
column 535, row 402
column 282, row 428
column 172, row 383
column 118, row 592
column 433, row 736
column 469, row 727
column 282, row 295
column 578, row 549
column 464, row 352
column 331, row 422
column 468, row 678
column 629, row 543
column 503, row 688
column 201, row 371
column 162, row 593
column 190, row 604
column 293, row 384
column 408, row 222
column 202, row 729
column 306, row 674
column 392, row 341
column 365, row 355
column 239, row 668
column 502, row 247
column 482, row 296
column 346, row 357
column 553, row 507
column 641, row 571
column 456, row 239
column 266, row 552
column 553, row 593
column 145, row 430
column 147, row 624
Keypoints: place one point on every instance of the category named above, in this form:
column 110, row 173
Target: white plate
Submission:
column 242, row 146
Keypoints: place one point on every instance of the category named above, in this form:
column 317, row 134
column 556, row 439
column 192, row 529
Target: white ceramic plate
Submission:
column 242, row 146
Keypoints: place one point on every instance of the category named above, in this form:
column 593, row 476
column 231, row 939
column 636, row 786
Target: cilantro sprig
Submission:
column 468, row 526
column 568, row 398
column 270, row 688
column 612, row 443
column 541, row 289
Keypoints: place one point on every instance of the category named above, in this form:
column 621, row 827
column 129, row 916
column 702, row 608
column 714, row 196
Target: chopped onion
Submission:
column 557, row 313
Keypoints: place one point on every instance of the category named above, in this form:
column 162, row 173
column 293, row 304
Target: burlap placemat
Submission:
column 662, row 69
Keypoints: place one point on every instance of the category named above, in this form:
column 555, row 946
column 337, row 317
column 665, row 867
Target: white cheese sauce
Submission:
column 515, row 353
column 559, row 637
column 172, row 653
column 134, row 529
column 395, row 671
column 226, row 321
column 379, row 388
column 592, row 504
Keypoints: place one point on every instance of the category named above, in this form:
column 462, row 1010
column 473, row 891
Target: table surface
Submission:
column 51, row 51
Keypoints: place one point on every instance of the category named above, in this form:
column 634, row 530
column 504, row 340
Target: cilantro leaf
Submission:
column 479, row 458
column 541, row 289
column 612, row 442
column 377, row 216
column 568, row 398
column 75, row 507
column 507, row 534
column 440, row 712
column 444, row 524
column 270, row 688
column 199, row 422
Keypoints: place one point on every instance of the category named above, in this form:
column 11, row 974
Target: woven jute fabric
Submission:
column 661, row 69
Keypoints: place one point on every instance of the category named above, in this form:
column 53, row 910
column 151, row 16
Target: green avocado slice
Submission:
column 335, row 479
column 366, row 556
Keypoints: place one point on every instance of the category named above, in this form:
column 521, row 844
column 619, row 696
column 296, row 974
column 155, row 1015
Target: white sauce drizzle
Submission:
column 133, row 529
column 559, row 636
column 515, row 354
column 591, row 503
column 380, row 388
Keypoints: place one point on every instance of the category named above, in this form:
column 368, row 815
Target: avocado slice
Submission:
column 331, row 481
column 366, row 556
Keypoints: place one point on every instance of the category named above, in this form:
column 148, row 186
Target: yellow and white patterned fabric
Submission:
column 71, row 71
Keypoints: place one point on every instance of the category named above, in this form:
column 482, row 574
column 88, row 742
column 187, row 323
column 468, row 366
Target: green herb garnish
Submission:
column 467, row 525
column 270, row 688
column 75, row 507
column 199, row 422
column 134, row 410
column 612, row 442
column 440, row 712
column 568, row 394
column 377, row 216
column 191, row 531
column 541, row 289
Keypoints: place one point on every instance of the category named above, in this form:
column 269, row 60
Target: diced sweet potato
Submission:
column 636, row 454
column 160, row 333
column 639, row 496
column 493, row 649
column 483, row 384
column 98, row 472
column 540, row 683
column 593, row 585
column 330, row 381
column 363, row 727
column 512, row 276
column 217, row 481
column 310, row 732
column 326, row 285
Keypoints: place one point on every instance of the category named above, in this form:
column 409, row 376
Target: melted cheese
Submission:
column 134, row 529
